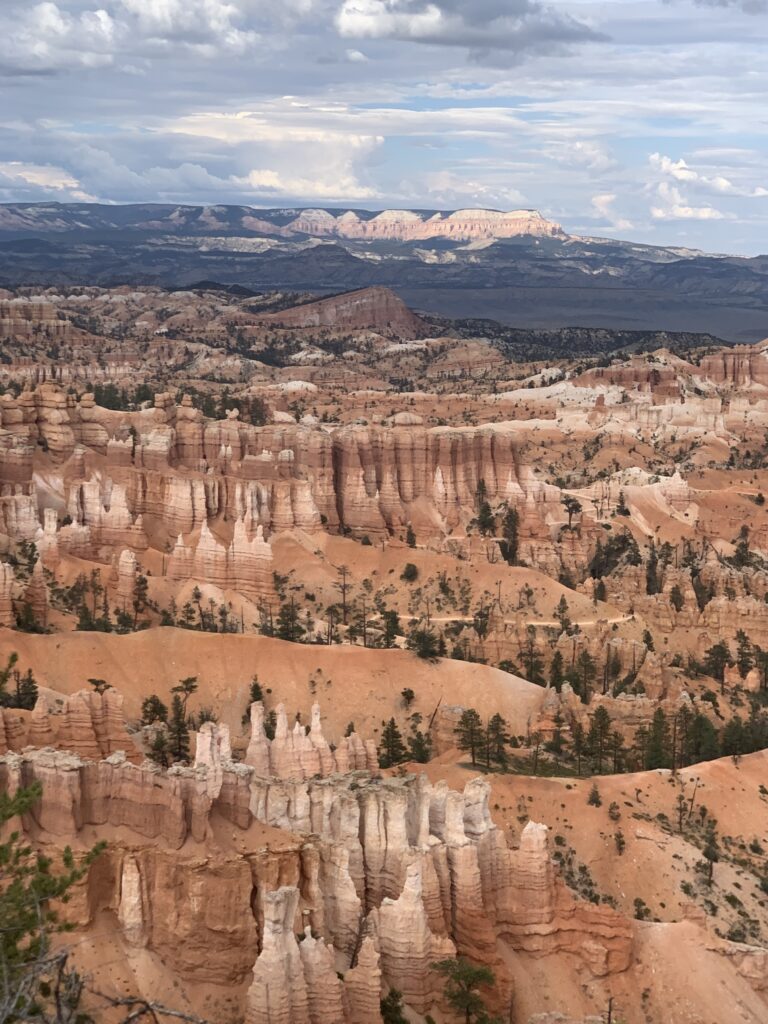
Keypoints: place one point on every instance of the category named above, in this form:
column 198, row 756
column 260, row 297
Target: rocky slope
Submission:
column 376, row 309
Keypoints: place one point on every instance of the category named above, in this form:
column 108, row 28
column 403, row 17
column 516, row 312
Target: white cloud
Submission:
column 674, row 207
column 356, row 57
column 198, row 23
column 47, row 37
column 602, row 204
column 43, row 178
column 680, row 171
column 477, row 25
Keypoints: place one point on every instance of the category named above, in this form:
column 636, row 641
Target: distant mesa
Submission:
column 366, row 225
column 376, row 309
column 406, row 225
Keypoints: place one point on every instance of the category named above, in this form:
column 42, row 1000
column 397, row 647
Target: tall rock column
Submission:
column 278, row 993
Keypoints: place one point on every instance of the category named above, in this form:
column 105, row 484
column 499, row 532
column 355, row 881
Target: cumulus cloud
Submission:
column 680, row 171
column 41, row 181
column 480, row 25
column 672, row 206
column 57, row 35
column 46, row 37
column 603, row 204
column 213, row 25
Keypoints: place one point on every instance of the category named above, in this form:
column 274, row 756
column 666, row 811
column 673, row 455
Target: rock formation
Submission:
column 376, row 309
column 405, row 225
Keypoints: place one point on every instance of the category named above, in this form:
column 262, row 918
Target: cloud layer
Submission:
column 643, row 118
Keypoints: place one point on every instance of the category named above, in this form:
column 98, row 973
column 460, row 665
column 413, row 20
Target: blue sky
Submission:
column 641, row 119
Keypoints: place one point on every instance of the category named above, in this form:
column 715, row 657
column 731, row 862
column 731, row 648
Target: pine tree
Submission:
column 587, row 670
column 485, row 519
column 391, row 1007
column 178, row 730
column 598, row 736
column 153, row 710
column 510, row 528
column 391, row 748
column 410, row 537
column 470, row 732
column 35, row 981
column 462, row 981
column 26, row 690
column 676, row 598
column 561, row 614
column 530, row 654
column 716, row 659
column 572, row 507
column 158, row 748
column 185, row 689
column 497, row 739
column 658, row 753
column 556, row 675
column 289, row 626
column 745, row 659
column 652, row 571
column 419, row 743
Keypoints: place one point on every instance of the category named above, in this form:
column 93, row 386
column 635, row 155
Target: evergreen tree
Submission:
column 587, row 670
column 598, row 737
column 556, row 676
column 734, row 740
column 391, row 748
column 658, row 752
column 410, row 537
column 561, row 614
column 676, row 598
column 530, row 655
column 26, row 691
column 716, row 659
column 470, row 733
column 289, row 626
column 153, row 710
column 391, row 1007
column 652, row 585
column 616, row 741
column 140, row 597
column 158, row 748
column 462, row 981
column 572, row 508
column 423, row 643
column 35, row 982
column 392, row 629
column 178, row 731
column 419, row 743
column 745, row 660
column 621, row 505
column 100, row 686
column 486, row 522
column 497, row 739
column 510, row 529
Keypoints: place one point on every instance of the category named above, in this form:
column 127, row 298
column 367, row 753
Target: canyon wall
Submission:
column 345, row 884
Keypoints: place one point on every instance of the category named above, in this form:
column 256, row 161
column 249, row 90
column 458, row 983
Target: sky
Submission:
column 637, row 119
